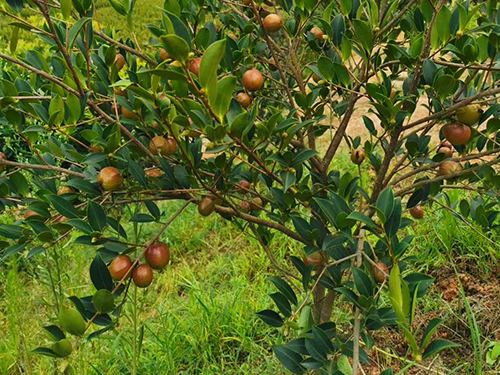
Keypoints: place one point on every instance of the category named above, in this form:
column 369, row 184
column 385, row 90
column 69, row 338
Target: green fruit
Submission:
column 469, row 114
column 103, row 301
column 62, row 348
column 72, row 321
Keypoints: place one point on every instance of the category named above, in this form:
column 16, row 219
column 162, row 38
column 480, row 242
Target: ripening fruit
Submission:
column 257, row 204
column 315, row 258
column 380, row 275
column 244, row 184
column 143, row 276
column 129, row 114
column 194, row 65
column 206, row 206
column 62, row 348
column 245, row 206
column 163, row 101
column 162, row 146
column 157, row 255
column 449, row 167
column 30, row 213
column 119, row 61
column 154, row 172
column 3, row 167
column 109, row 178
column 448, row 152
column 64, row 190
column 317, row 32
column 244, row 99
column 252, row 80
column 164, row 55
column 456, row 134
column 357, row 156
column 469, row 114
column 417, row 212
column 71, row 321
column 119, row 267
column 446, row 144
column 273, row 23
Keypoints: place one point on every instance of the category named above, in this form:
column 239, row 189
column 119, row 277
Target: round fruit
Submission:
column 448, row 152
column 163, row 101
column 257, row 204
column 317, row 32
column 244, row 184
column 245, row 206
column 154, row 172
column 62, row 348
column 120, row 61
column 103, row 301
column 380, row 272
column 315, row 258
column 252, row 80
column 157, row 255
column 120, row 266
column 417, row 212
column 143, row 276
column 72, row 321
column 64, row 190
column 446, row 144
column 273, row 23
column 30, row 213
column 194, row 65
column 129, row 114
column 164, row 55
column 357, row 156
column 469, row 114
column 456, row 134
column 244, row 99
column 449, row 167
column 206, row 206
column 162, row 146
column 109, row 178
column 3, row 167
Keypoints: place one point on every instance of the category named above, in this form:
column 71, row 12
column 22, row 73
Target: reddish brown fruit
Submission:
column 252, row 80
column 456, row 134
column 357, row 156
column 109, row 178
column 315, row 258
column 449, row 167
column 446, row 143
column 273, row 23
column 119, row 61
column 317, row 32
column 64, row 190
column 245, row 206
column 448, row 152
column 120, row 266
column 244, row 99
column 162, row 146
column 154, row 172
column 244, row 184
column 417, row 212
column 129, row 114
column 157, row 255
column 164, row 55
column 30, row 213
column 257, row 204
column 206, row 206
column 380, row 272
column 143, row 276
column 3, row 167
column 194, row 65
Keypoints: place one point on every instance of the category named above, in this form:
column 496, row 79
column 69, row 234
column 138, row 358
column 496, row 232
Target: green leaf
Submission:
column 20, row 183
column 364, row 33
column 443, row 23
column 328, row 209
column 56, row 332
column 437, row 346
column 208, row 67
column 393, row 222
column 13, row 250
column 358, row 216
column 81, row 225
column 99, row 274
column 75, row 30
column 288, row 179
column 118, row 7
column 225, row 89
column 271, row 318
column 346, row 6
column 16, row 5
column 153, row 209
column 288, row 358
column 66, row 8
column 363, row 282
column 83, row 185
column 137, row 172
column 75, row 108
column 429, row 331
column 96, row 216
column 63, row 207
column 385, row 204
column 45, row 351
column 167, row 74
column 445, row 85
column 326, row 68
column 13, row 40
column 284, row 288
column 282, row 303
column 176, row 46
column 142, row 218
column 56, row 111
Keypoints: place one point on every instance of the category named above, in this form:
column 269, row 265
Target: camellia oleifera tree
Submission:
column 241, row 108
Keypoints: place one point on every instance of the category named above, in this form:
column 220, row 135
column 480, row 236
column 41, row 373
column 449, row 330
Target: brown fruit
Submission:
column 456, row 134
column 154, row 172
column 244, row 99
column 157, row 255
column 164, row 55
column 315, row 258
column 64, row 190
column 449, row 167
column 446, row 143
column 194, row 65
column 62, row 219
column 273, row 23
column 316, row 78
column 143, row 276
column 244, row 184
column 109, row 178
column 257, row 204
column 119, row 267
column 245, row 206
column 162, row 146
column 252, row 80
column 129, row 114
column 357, row 156
column 206, row 206
column 448, row 152
column 119, row 61
column 3, row 167
column 417, row 212
column 30, row 213
column 317, row 32
column 380, row 274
